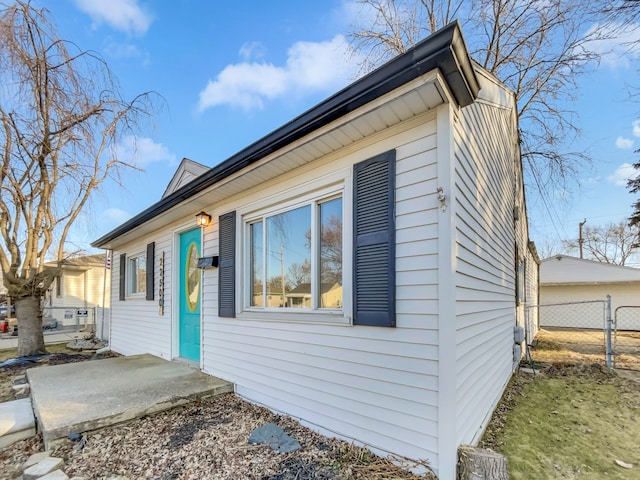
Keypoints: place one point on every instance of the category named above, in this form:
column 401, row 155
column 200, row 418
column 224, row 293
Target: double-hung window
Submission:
column 294, row 256
column 137, row 273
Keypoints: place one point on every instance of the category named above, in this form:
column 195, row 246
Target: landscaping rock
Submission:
column 35, row 458
column 44, row 466
column 272, row 435
column 55, row 475
column 16, row 421
column 21, row 391
column 530, row 371
column 87, row 345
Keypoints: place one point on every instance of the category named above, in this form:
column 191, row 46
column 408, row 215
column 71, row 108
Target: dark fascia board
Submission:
column 444, row 50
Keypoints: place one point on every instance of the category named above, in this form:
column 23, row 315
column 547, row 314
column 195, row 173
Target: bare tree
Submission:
column 537, row 48
column 548, row 248
column 61, row 116
column 299, row 273
column 612, row 243
column 330, row 251
column 623, row 11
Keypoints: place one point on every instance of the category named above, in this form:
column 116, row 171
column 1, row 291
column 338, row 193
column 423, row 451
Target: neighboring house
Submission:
column 83, row 283
column 407, row 187
column 565, row 279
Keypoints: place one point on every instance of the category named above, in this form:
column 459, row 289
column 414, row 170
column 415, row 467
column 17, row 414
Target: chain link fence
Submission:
column 572, row 332
column 626, row 337
column 586, row 331
column 92, row 320
column 68, row 319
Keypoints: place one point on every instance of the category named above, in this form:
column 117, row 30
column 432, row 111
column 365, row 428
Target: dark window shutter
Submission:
column 227, row 265
column 123, row 276
column 151, row 255
column 374, row 232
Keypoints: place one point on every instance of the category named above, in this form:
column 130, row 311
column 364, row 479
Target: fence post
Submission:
column 608, row 330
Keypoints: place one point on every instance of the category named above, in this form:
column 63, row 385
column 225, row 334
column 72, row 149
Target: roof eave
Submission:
column 444, row 50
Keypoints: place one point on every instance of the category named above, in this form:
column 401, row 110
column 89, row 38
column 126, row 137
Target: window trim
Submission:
column 129, row 292
column 296, row 198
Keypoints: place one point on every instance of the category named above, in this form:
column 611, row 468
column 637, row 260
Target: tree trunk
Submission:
column 30, row 337
column 480, row 464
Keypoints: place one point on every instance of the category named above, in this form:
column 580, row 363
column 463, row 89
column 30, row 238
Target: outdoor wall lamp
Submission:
column 203, row 219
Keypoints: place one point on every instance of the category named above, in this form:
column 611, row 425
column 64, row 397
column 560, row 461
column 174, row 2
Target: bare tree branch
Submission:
column 61, row 118
column 537, row 48
column 612, row 243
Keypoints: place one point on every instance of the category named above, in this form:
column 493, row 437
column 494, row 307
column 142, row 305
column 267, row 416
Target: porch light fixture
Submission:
column 203, row 219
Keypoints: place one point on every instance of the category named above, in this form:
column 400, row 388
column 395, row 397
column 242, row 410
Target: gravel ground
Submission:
column 207, row 440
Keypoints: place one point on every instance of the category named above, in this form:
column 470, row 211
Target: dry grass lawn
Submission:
column 575, row 420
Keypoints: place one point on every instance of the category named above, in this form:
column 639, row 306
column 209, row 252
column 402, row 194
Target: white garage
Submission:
column 585, row 284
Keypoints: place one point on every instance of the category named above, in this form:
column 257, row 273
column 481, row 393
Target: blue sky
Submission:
column 231, row 72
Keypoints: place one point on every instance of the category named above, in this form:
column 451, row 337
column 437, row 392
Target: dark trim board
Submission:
column 443, row 50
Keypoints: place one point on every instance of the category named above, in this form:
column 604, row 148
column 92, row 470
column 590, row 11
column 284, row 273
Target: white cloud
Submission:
column 142, row 151
column 354, row 13
column 590, row 180
column 620, row 45
column 124, row 15
column 310, row 66
column 624, row 143
column 635, row 125
column 252, row 51
column 622, row 174
column 128, row 51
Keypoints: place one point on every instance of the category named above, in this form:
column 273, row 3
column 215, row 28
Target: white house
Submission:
column 565, row 279
column 399, row 203
column 83, row 284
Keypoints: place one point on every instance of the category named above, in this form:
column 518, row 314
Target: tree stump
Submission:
column 481, row 464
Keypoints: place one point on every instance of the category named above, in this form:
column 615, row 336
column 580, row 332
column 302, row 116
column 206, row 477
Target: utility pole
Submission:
column 580, row 239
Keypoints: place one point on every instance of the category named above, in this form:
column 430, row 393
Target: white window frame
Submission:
column 296, row 199
column 129, row 276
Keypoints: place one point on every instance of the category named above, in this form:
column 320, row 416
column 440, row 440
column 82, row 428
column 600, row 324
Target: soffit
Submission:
column 413, row 99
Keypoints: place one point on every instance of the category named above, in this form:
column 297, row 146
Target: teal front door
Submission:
column 189, row 330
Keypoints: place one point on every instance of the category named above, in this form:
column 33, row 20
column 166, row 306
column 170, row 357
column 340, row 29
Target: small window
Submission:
column 520, row 283
column 137, row 275
column 295, row 257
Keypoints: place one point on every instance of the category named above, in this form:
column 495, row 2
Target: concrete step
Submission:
column 17, row 421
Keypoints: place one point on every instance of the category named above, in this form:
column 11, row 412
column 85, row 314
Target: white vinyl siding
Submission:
column 373, row 384
column 532, row 295
column 136, row 324
column 485, row 275
column 81, row 288
column 418, row 389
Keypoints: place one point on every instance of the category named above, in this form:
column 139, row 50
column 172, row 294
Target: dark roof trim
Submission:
column 444, row 49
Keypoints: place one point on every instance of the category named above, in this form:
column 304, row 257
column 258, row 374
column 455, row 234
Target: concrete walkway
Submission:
column 84, row 396
column 16, row 421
